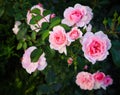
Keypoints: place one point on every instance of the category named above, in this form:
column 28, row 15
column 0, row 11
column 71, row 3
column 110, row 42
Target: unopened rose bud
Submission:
column 52, row 15
column 16, row 27
column 40, row 4
column 85, row 67
column 70, row 61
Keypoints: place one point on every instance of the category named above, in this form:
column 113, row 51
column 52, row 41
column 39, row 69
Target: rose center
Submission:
column 95, row 47
column 60, row 38
column 76, row 16
column 74, row 34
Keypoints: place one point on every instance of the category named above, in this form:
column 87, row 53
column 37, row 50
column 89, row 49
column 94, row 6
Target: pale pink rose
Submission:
column 98, row 77
column 42, row 62
column 16, row 27
column 33, row 66
column 74, row 34
column 37, row 26
column 70, row 61
column 95, row 46
column 78, row 15
column 85, row 80
column 107, row 81
column 58, row 39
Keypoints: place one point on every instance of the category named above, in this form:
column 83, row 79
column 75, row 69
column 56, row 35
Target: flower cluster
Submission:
column 95, row 46
column 88, row 81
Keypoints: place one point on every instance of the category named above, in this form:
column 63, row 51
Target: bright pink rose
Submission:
column 98, row 77
column 95, row 46
column 85, row 80
column 32, row 66
column 107, row 81
column 37, row 26
column 74, row 34
column 79, row 15
column 58, row 39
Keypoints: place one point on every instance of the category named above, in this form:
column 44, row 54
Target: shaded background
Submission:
column 14, row 80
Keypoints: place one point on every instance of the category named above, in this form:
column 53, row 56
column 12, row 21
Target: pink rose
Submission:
column 37, row 26
column 16, row 27
column 74, row 34
column 95, row 46
column 58, row 39
column 98, row 77
column 107, row 81
column 85, row 80
column 32, row 66
column 79, row 15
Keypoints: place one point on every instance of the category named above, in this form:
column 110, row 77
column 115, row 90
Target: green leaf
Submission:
column 35, row 55
column 19, row 46
column 35, row 19
column 1, row 11
column 21, row 32
column 67, row 28
column 105, row 21
column 45, row 25
column 35, row 11
column 115, row 51
column 24, row 45
column 119, row 20
column 55, row 21
column 45, row 34
column 46, row 12
column 33, row 35
column 50, row 53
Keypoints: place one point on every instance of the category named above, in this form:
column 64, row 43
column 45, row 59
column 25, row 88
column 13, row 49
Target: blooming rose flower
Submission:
column 32, row 66
column 58, row 39
column 16, row 27
column 95, row 46
column 85, row 80
column 37, row 26
column 98, row 77
column 107, row 81
column 79, row 15
column 74, row 34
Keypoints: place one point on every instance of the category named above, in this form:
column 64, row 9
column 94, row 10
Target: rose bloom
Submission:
column 74, row 34
column 32, row 66
column 85, row 80
column 16, row 27
column 107, row 81
column 95, row 46
column 78, row 15
column 58, row 39
column 98, row 77
column 37, row 26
